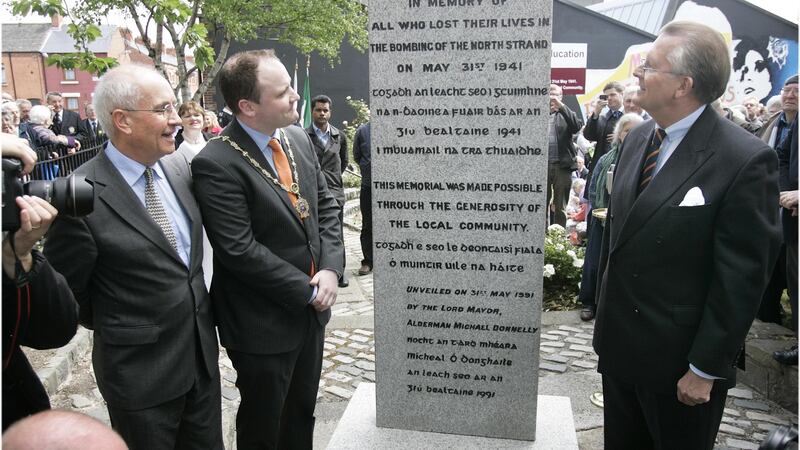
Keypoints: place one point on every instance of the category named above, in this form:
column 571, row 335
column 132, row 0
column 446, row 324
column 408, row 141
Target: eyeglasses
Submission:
column 166, row 111
column 644, row 68
column 789, row 90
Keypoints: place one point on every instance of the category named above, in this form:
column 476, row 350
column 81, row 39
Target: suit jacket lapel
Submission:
column 115, row 192
column 237, row 133
column 180, row 183
column 690, row 155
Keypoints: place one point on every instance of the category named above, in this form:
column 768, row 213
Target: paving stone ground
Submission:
column 349, row 359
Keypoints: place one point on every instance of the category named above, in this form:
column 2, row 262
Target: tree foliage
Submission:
column 195, row 25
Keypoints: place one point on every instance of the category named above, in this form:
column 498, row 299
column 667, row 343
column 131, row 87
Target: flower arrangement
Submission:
column 563, row 265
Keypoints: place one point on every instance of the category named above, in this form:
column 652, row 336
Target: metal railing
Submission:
column 47, row 167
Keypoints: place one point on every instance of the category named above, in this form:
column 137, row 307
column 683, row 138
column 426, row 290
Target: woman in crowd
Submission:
column 598, row 194
column 191, row 138
column 40, row 119
column 212, row 125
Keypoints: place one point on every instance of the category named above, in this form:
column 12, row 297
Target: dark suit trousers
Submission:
column 191, row 421
column 591, row 264
column 365, row 201
column 635, row 418
column 279, row 394
column 559, row 182
column 770, row 309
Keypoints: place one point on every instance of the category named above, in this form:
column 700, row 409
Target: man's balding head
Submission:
column 61, row 430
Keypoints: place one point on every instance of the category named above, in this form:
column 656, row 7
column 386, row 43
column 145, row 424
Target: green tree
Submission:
column 194, row 25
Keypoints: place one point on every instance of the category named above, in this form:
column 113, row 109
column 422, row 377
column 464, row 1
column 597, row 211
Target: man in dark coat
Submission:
column 277, row 259
column 690, row 240
column 331, row 148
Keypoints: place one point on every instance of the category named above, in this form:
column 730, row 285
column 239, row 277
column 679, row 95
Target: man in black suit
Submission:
column 331, row 148
column 690, row 240
column 277, row 259
column 134, row 265
column 89, row 129
column 564, row 123
column 65, row 122
column 600, row 127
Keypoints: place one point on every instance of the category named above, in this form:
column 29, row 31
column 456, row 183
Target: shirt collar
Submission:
column 130, row 170
column 320, row 132
column 258, row 137
column 678, row 130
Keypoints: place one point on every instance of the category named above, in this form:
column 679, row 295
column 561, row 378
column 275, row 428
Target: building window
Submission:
column 69, row 74
column 72, row 103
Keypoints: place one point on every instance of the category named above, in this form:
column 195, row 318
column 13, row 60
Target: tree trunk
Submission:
column 211, row 74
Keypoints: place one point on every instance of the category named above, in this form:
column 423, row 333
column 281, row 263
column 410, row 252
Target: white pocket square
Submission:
column 693, row 198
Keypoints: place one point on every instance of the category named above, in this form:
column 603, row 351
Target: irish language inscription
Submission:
column 459, row 101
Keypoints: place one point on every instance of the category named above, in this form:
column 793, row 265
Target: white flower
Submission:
column 348, row 97
column 577, row 262
column 571, row 254
column 560, row 247
column 548, row 270
column 556, row 228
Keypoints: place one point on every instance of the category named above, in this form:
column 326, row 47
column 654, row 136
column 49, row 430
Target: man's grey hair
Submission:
column 40, row 115
column 702, row 55
column 24, row 101
column 775, row 102
column 632, row 89
column 119, row 88
column 52, row 94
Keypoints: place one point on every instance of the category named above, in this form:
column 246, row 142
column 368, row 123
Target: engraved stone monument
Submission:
column 459, row 102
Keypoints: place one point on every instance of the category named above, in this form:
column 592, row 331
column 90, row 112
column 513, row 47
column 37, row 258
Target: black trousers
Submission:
column 636, row 418
column 559, row 182
column 279, row 394
column 770, row 309
column 191, row 421
column 365, row 201
column 591, row 263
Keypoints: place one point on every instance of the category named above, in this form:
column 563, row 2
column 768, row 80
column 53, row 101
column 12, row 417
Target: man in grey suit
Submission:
column 277, row 255
column 690, row 240
column 134, row 265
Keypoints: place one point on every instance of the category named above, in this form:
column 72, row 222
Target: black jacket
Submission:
column 48, row 320
column 567, row 124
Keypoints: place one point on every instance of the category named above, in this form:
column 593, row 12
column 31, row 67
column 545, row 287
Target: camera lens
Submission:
column 71, row 196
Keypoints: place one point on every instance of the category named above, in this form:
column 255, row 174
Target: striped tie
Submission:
column 650, row 161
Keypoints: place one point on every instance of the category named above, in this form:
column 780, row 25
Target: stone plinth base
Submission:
column 356, row 430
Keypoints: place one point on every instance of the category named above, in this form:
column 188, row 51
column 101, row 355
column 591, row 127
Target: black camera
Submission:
column 71, row 196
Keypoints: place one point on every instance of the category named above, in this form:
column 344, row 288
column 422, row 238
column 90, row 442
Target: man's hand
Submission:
column 16, row 147
column 36, row 216
column 555, row 103
column 327, row 283
column 610, row 137
column 598, row 107
column 694, row 389
column 788, row 199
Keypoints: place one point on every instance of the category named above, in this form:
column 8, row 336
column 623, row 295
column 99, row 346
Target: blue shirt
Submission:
column 133, row 174
column 675, row 134
column 261, row 141
column 322, row 135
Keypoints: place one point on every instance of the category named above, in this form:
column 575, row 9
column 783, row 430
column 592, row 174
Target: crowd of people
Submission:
column 697, row 199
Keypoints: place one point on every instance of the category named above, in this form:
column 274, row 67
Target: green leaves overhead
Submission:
column 192, row 27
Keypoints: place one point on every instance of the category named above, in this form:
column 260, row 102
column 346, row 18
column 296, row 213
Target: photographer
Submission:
column 39, row 310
